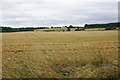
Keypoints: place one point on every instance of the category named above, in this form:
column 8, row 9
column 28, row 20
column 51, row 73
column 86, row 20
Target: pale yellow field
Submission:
column 84, row 54
column 95, row 29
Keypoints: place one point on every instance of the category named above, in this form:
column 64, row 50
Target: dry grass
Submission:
column 85, row 54
column 95, row 29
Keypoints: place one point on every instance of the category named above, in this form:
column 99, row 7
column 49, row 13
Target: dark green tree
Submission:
column 68, row 29
column 70, row 26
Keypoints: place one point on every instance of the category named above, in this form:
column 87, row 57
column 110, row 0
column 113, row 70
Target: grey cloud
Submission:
column 51, row 12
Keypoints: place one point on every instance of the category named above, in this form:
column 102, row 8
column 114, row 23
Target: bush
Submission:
column 79, row 29
column 109, row 28
column 68, row 29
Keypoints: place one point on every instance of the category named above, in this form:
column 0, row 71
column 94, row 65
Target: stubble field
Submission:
column 84, row 54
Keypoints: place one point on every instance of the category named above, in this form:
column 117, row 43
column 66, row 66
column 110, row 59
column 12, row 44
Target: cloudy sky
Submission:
column 19, row 13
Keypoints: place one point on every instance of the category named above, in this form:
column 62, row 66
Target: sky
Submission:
column 41, row 13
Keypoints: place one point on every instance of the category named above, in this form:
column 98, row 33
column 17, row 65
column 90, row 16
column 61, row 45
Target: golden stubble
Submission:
column 84, row 54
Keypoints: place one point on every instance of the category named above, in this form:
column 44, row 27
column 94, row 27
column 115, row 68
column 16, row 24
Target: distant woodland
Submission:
column 9, row 29
column 108, row 26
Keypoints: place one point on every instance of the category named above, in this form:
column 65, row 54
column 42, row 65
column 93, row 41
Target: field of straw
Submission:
column 84, row 54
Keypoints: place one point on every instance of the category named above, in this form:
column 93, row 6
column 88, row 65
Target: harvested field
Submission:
column 84, row 54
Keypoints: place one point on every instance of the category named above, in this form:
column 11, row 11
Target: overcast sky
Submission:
column 18, row 13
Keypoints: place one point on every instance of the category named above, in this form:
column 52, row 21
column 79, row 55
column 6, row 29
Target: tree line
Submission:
column 9, row 29
column 108, row 25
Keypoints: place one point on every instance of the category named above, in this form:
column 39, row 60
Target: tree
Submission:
column 68, row 29
column 66, row 26
column 70, row 26
column 51, row 26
